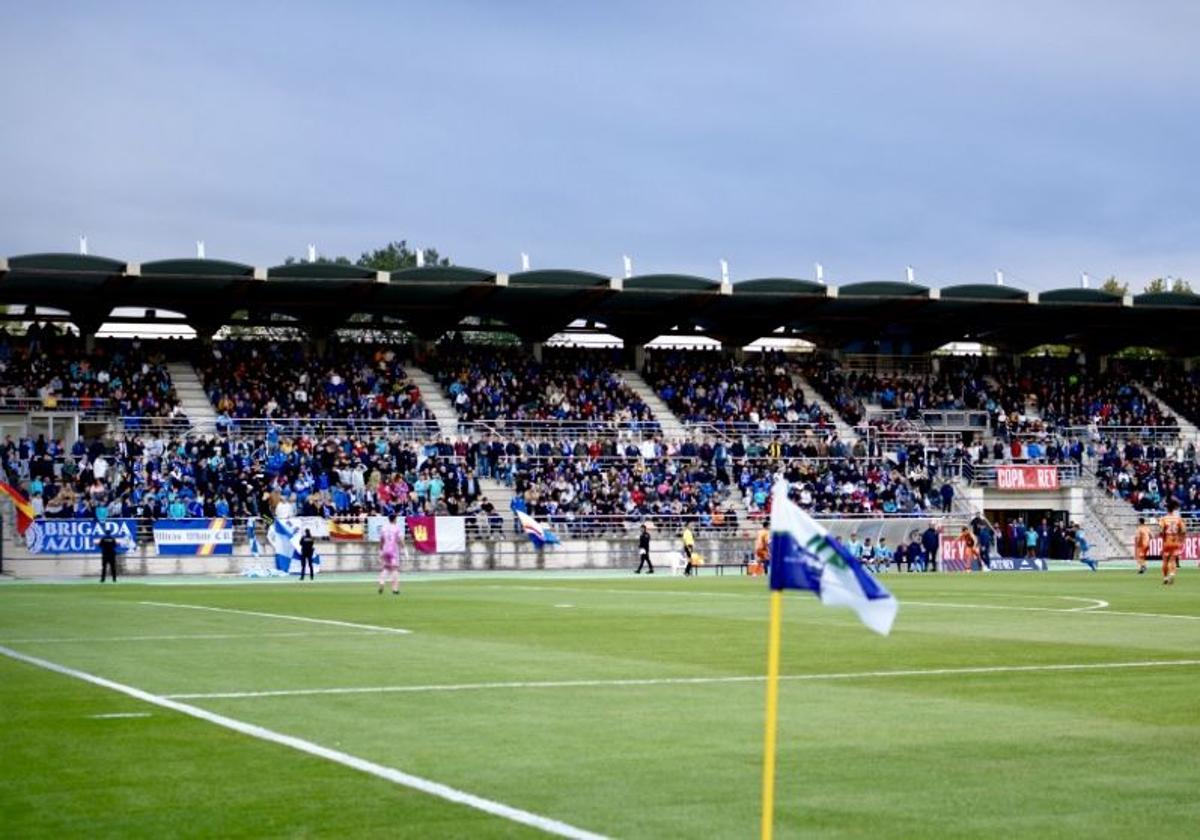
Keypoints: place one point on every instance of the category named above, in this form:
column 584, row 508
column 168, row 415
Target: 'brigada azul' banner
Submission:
column 78, row 536
column 201, row 537
column 438, row 534
column 1027, row 477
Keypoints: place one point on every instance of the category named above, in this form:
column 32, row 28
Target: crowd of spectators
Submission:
column 262, row 379
column 120, row 377
column 711, row 387
column 1147, row 475
column 569, row 384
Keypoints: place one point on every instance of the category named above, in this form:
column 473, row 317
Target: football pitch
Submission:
column 525, row 705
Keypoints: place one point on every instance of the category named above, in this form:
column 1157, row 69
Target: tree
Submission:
column 394, row 256
column 1156, row 286
column 1114, row 286
column 1181, row 287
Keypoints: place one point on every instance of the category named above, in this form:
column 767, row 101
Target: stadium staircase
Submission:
column 1187, row 429
column 844, row 430
column 192, row 397
column 435, row 400
column 672, row 427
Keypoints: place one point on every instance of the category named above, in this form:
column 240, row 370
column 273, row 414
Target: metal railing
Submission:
column 86, row 407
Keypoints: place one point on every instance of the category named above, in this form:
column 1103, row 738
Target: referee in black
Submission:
column 108, row 555
column 307, row 549
column 644, row 552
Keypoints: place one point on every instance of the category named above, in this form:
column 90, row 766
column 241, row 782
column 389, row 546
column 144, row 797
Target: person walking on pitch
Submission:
column 391, row 544
column 1173, row 533
column 644, row 552
column 1141, row 545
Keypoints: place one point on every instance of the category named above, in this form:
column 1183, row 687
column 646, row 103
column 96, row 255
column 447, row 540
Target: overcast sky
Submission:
column 1042, row 138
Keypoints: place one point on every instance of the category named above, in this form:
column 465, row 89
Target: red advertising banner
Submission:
column 953, row 555
column 1027, row 477
column 1191, row 546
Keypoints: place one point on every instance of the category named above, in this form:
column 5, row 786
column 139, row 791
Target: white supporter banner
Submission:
column 316, row 525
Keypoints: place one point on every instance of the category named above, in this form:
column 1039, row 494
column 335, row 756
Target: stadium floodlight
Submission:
column 910, row 273
column 820, row 274
column 628, row 265
column 199, row 249
column 724, row 271
column 420, row 258
column 999, row 277
column 1085, row 282
column 83, row 245
column 312, row 253
column 524, row 261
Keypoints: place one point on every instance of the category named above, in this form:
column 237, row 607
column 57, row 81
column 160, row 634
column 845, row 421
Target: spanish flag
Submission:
column 21, row 503
column 347, row 530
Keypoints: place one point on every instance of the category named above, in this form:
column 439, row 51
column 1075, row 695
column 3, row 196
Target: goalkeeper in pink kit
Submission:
column 391, row 546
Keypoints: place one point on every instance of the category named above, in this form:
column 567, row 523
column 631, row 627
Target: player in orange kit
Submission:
column 1141, row 545
column 1173, row 532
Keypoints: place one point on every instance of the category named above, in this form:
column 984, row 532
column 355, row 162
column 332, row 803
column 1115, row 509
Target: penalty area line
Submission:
column 656, row 681
column 391, row 774
column 375, row 627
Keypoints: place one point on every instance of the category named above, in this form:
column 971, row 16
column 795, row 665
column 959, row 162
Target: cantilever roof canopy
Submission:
column 888, row 317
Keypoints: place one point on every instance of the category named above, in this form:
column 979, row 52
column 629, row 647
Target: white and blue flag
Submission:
column 285, row 541
column 537, row 533
column 805, row 556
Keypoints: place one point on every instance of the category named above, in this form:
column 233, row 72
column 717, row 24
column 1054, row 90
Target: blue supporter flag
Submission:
column 538, row 534
column 805, row 556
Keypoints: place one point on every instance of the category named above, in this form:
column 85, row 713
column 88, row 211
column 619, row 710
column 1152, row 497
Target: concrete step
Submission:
column 435, row 399
column 192, row 396
column 672, row 426
column 1186, row 427
column 845, row 430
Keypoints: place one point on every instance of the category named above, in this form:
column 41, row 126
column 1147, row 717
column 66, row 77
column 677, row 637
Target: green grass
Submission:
column 1100, row 753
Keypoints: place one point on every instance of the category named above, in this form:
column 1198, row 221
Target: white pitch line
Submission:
column 120, row 715
column 1092, row 603
column 177, row 637
column 285, row 617
column 653, row 681
column 391, row 774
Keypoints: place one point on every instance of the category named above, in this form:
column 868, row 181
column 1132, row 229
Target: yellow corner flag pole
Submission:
column 768, row 794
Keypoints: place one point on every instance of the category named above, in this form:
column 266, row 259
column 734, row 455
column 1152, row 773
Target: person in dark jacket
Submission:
column 931, row 542
column 644, row 552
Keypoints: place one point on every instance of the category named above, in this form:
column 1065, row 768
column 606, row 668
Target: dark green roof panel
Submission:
column 1080, row 296
column 779, row 285
column 882, row 289
column 65, row 262
column 669, row 283
column 196, row 268
column 1166, row 299
column 983, row 291
column 322, row 271
column 556, row 277
column 442, row 274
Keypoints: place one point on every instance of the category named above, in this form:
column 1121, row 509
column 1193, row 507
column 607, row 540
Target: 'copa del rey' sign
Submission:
column 1027, row 477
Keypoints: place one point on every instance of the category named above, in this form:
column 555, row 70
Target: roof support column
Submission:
column 535, row 349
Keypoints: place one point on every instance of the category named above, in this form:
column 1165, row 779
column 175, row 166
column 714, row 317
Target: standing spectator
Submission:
column 108, row 555
column 931, row 541
column 947, row 494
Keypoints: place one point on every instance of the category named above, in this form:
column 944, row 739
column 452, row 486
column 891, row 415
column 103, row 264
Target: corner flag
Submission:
column 805, row 556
